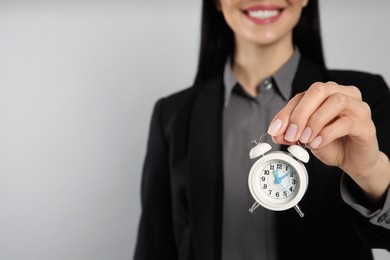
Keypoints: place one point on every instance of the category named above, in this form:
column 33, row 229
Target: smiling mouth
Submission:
column 263, row 14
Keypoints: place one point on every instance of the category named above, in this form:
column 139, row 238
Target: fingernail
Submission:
column 316, row 142
column 305, row 135
column 275, row 127
column 291, row 132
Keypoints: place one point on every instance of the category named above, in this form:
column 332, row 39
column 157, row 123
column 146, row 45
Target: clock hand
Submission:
column 277, row 178
column 284, row 176
column 281, row 185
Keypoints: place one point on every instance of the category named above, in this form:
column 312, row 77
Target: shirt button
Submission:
column 383, row 217
column 268, row 85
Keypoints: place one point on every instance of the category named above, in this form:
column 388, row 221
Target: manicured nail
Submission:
column 275, row 127
column 291, row 132
column 305, row 135
column 316, row 142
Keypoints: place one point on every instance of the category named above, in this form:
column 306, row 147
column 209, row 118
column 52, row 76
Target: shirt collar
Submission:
column 229, row 81
column 283, row 78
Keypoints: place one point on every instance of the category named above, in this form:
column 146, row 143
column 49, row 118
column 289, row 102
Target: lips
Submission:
column 263, row 14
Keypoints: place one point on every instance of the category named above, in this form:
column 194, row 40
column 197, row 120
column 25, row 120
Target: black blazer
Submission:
column 182, row 180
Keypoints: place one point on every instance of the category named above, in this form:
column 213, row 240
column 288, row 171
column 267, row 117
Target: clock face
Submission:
column 277, row 181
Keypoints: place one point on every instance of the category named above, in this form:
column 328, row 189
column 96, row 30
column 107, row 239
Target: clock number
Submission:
column 272, row 167
column 266, row 172
column 294, row 181
column 265, row 186
column 279, row 166
column 262, row 178
column 277, row 194
column 285, row 193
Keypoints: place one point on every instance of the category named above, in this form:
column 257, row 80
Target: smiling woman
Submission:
column 261, row 70
column 78, row 80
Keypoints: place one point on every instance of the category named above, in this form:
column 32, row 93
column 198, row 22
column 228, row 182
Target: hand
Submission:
column 337, row 126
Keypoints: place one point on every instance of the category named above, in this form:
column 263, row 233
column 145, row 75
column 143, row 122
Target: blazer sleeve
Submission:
column 155, row 238
column 372, row 226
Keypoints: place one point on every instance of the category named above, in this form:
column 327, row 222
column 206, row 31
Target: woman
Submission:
column 261, row 69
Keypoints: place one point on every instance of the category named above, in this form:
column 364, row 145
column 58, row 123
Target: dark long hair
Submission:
column 217, row 40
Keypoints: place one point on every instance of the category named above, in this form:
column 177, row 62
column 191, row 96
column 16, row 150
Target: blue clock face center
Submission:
column 278, row 180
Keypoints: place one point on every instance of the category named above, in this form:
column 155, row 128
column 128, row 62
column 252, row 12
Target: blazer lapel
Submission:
column 206, row 170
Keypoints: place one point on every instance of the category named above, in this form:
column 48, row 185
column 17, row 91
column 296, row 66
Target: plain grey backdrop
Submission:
column 78, row 80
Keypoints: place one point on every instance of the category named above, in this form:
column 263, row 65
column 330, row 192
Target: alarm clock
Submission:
column 278, row 180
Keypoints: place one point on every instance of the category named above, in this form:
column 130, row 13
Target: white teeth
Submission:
column 263, row 14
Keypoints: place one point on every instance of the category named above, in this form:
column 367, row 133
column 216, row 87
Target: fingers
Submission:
column 281, row 120
column 324, row 112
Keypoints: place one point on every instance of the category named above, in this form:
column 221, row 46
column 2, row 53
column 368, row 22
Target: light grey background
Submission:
column 78, row 80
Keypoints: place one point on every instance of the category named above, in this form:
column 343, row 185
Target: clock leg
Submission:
column 296, row 207
column 254, row 206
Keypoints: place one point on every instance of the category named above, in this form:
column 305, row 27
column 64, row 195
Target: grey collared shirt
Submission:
column 248, row 235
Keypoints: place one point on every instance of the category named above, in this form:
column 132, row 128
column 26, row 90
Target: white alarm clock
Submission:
column 278, row 180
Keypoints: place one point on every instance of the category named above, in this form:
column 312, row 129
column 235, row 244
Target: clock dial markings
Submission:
column 279, row 187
